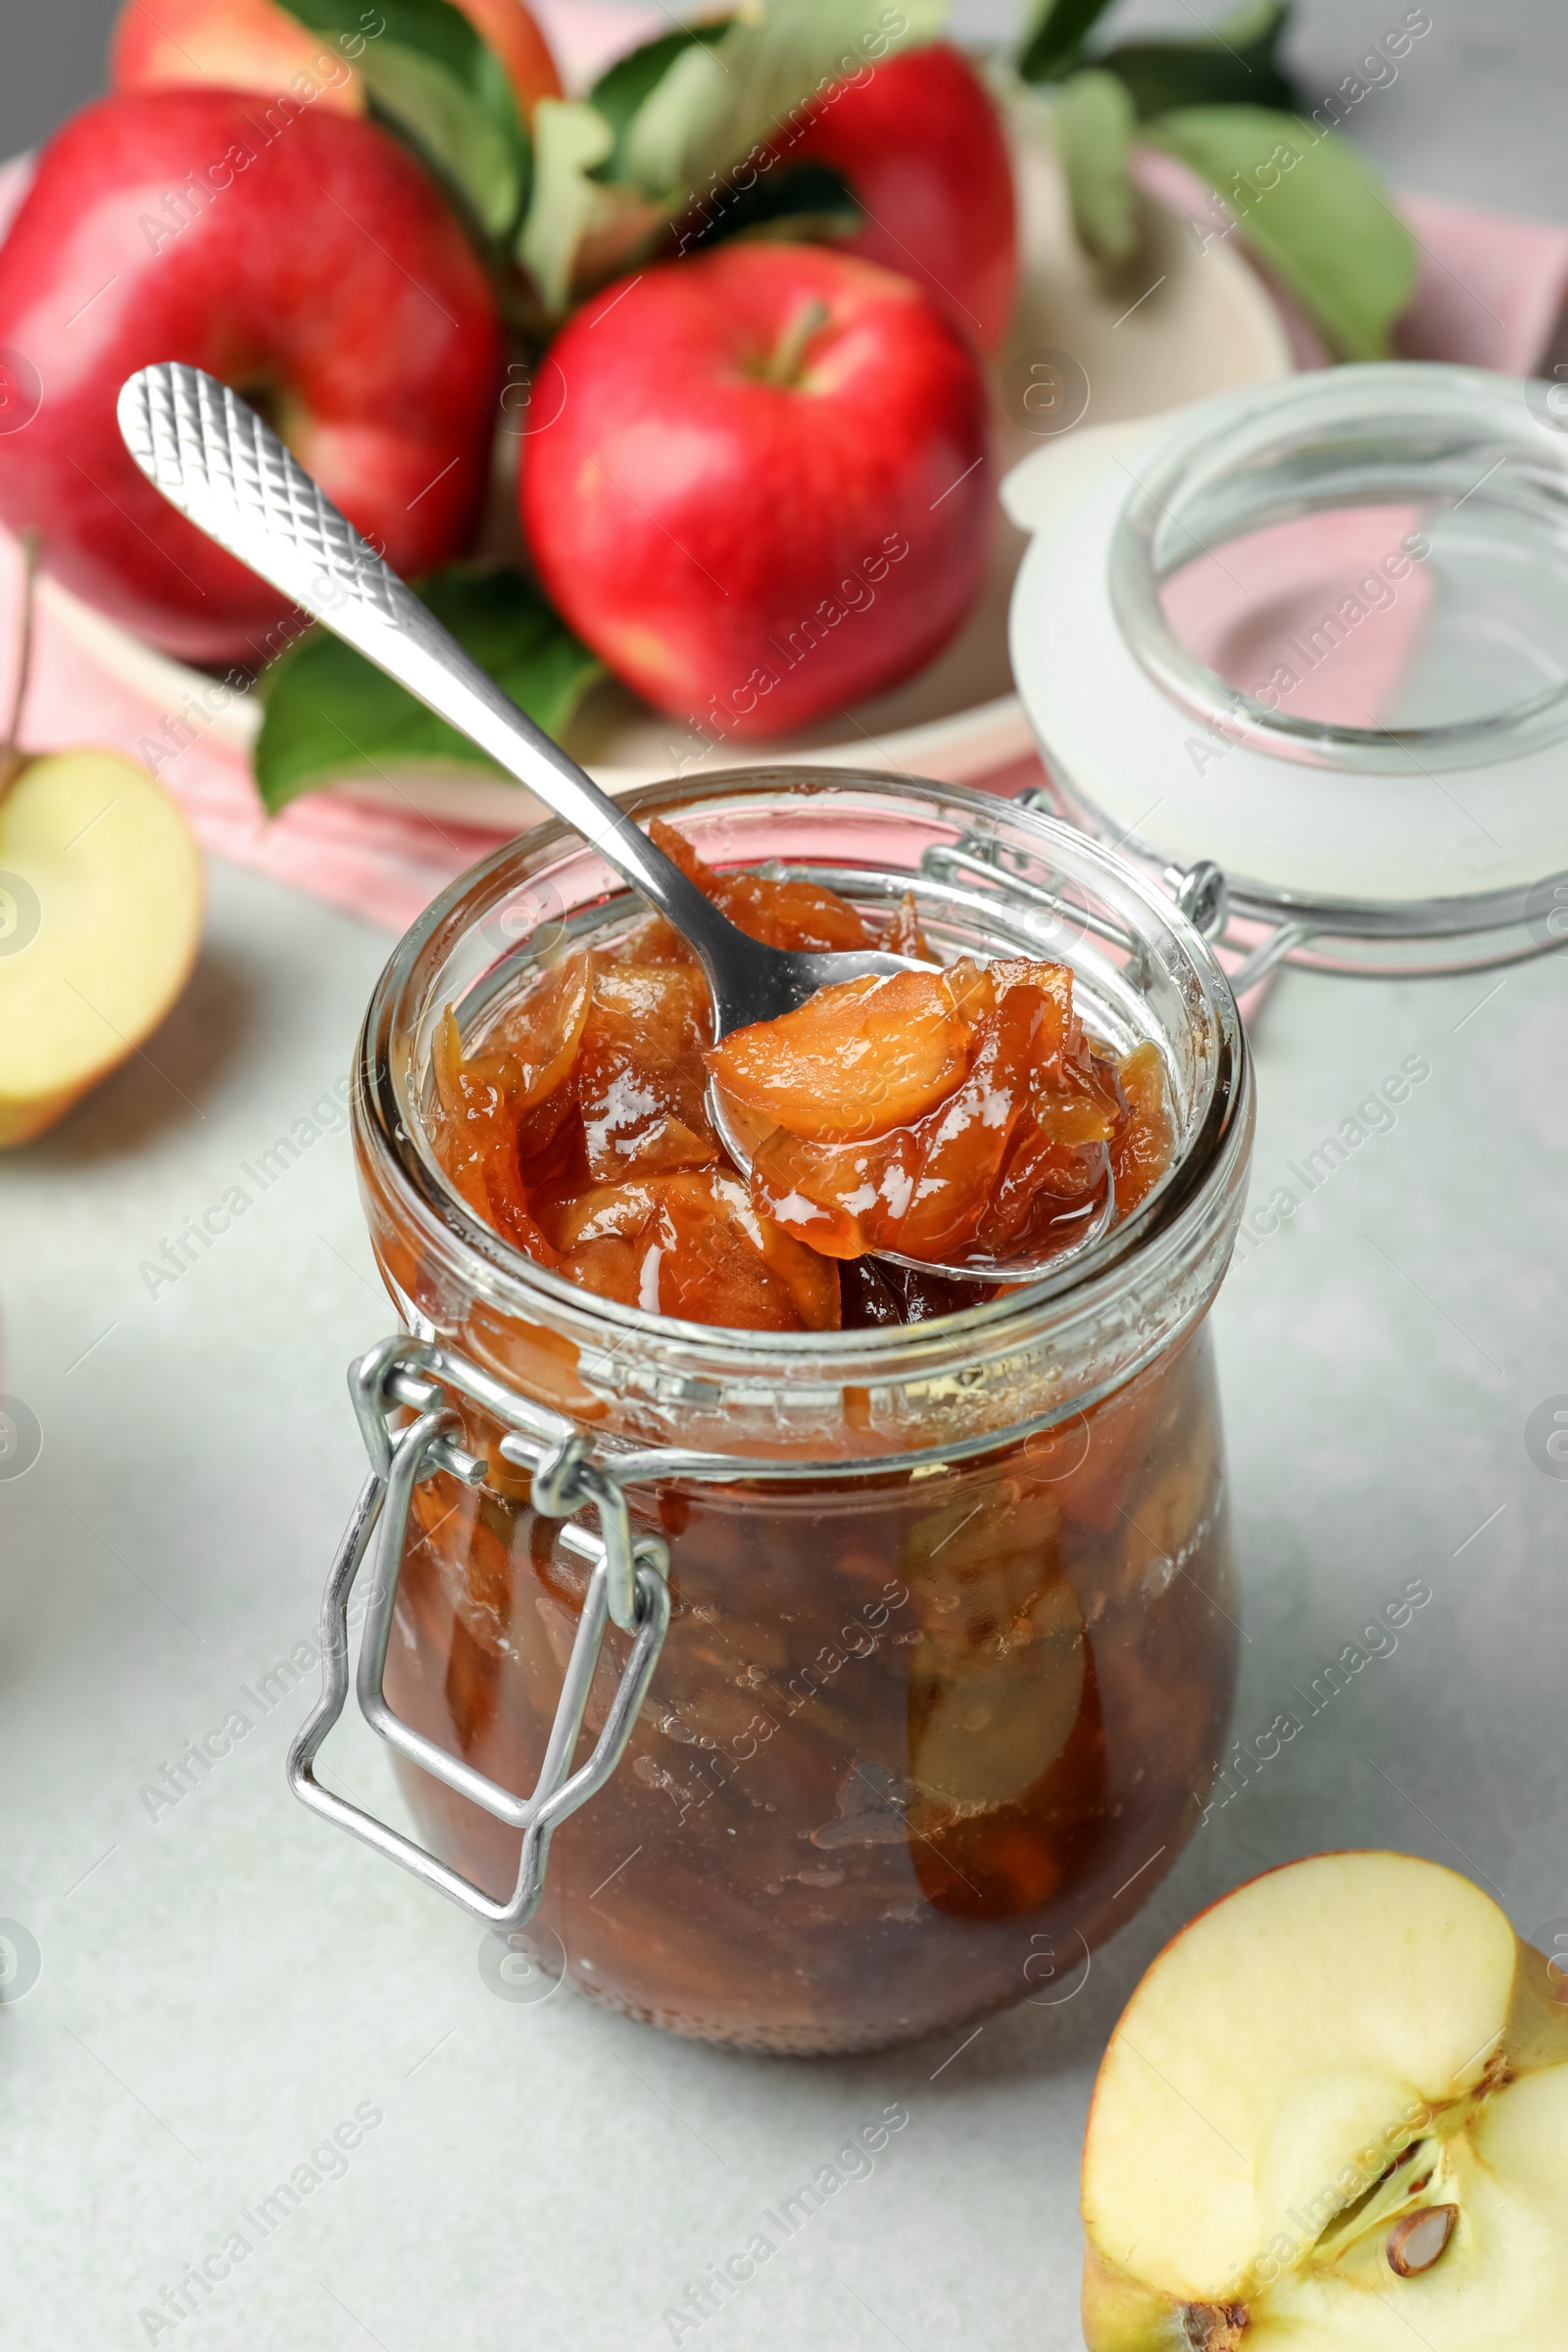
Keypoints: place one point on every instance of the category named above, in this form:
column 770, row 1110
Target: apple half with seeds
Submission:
column 1334, row 2117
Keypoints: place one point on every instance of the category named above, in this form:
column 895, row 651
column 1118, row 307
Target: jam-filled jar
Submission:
column 804, row 1691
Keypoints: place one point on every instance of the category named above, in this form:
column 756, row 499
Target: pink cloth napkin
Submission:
column 1491, row 291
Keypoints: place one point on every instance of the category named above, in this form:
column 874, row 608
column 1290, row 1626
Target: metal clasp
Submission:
column 978, row 858
column 1202, row 892
column 629, row 1582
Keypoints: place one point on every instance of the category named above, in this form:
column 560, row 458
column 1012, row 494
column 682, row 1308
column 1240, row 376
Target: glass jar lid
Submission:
column 1317, row 634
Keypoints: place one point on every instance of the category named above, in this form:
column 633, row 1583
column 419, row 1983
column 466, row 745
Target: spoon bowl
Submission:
column 215, row 459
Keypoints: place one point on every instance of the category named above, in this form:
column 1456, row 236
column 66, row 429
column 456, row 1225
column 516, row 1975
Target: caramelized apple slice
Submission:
column 1076, row 1100
column 678, row 849
column 512, row 1209
column 535, row 1045
column 857, row 1059
column 1140, row 1152
column 640, row 1082
column 904, row 936
column 1012, row 1163
column 791, row 913
column 526, row 1057
column 782, row 914
column 473, row 1115
column 961, row 1146
column 1043, row 1194
column 721, row 1262
column 697, row 1249
column 920, row 1191
column 653, row 940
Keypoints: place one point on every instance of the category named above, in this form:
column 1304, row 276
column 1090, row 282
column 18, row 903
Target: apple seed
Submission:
column 1416, row 2242
column 1214, row 2327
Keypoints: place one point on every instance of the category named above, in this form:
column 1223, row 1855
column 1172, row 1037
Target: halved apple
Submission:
column 100, row 917
column 1333, row 2116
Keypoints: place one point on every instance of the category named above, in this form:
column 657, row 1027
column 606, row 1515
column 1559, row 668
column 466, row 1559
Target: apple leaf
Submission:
column 655, row 140
column 328, row 712
column 1093, row 126
column 572, row 139
column 622, row 87
column 432, row 78
column 1236, row 64
column 1312, row 209
column 1055, row 36
column 715, row 103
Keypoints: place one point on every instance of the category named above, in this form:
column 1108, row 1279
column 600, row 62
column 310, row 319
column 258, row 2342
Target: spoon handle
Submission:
column 214, row 459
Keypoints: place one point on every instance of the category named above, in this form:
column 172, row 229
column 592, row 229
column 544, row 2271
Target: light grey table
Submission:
column 226, row 1984
column 225, row 1980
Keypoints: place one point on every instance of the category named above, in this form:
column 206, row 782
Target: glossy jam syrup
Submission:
column 951, row 1113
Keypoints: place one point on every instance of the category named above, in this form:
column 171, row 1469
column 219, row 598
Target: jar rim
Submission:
column 1403, row 410
column 1200, row 1195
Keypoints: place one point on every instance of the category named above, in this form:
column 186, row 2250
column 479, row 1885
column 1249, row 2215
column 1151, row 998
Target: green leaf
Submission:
column 1312, row 209
column 571, row 141
column 1093, row 128
column 621, row 89
column 1236, row 64
column 664, row 126
column 714, row 104
column 1056, row 36
column 328, row 712
column 431, row 76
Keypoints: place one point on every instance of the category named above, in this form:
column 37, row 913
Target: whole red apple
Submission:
column 256, row 45
column 304, row 259
column 766, row 492
column 920, row 144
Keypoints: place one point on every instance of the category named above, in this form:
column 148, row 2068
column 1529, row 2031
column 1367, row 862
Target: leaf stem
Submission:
column 783, row 367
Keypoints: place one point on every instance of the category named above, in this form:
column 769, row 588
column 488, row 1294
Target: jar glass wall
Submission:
column 952, row 1638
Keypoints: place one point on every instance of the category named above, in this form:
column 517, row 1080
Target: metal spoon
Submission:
column 214, row 459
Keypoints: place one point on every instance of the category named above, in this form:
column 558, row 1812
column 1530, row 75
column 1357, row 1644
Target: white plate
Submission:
column 1177, row 325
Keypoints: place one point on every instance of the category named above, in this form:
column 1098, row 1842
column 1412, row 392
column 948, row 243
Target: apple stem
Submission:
column 784, row 366
column 11, row 761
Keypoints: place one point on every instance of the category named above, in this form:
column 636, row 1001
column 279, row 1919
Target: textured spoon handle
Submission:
column 214, row 459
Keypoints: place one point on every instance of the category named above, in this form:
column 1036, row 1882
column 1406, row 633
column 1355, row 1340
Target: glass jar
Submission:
column 950, row 1639
column 1326, row 616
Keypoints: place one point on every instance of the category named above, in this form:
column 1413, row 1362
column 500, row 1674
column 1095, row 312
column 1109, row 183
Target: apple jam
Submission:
column 952, row 1113
column 952, row 1641
column 905, row 1745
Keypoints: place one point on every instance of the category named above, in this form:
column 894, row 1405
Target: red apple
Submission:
column 765, row 493
column 232, row 44
column 305, row 259
column 254, row 45
column 521, row 46
column 920, row 144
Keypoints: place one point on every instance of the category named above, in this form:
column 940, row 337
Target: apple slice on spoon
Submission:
column 1334, row 2114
